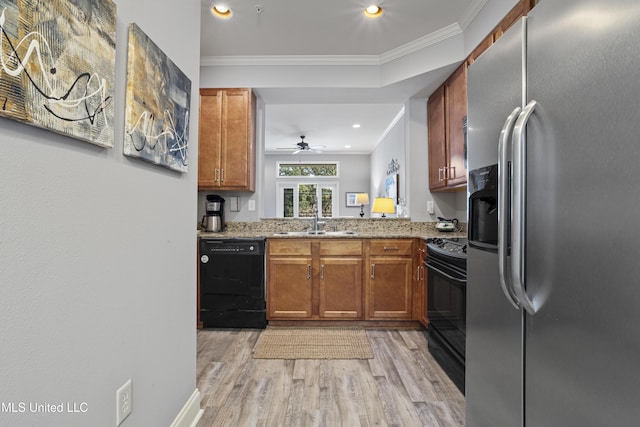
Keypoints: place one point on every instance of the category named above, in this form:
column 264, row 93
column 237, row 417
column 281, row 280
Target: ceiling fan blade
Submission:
column 296, row 152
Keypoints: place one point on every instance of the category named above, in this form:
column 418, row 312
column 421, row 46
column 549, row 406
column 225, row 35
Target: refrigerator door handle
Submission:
column 503, row 206
column 518, row 221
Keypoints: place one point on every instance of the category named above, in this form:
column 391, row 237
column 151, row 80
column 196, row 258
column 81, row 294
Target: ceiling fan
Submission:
column 303, row 146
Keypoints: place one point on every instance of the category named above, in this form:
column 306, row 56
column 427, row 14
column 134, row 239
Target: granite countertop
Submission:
column 372, row 228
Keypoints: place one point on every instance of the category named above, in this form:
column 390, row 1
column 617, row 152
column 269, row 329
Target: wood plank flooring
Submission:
column 401, row 386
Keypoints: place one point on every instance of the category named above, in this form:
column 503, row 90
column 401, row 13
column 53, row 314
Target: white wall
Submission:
column 97, row 255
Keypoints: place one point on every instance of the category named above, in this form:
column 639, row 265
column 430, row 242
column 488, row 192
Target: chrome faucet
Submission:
column 315, row 219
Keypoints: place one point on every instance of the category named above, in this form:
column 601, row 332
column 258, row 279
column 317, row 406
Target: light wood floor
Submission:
column 401, row 386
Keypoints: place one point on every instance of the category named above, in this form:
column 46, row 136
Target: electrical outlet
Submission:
column 124, row 402
column 430, row 208
column 252, row 205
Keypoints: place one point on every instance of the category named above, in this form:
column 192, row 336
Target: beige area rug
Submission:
column 313, row 343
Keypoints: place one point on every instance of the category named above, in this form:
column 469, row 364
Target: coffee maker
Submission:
column 213, row 220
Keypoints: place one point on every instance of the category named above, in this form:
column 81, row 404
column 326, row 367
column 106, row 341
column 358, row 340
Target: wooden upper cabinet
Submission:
column 209, row 137
column 446, row 116
column 521, row 9
column 447, row 112
column 226, row 151
column 437, row 144
column 456, row 108
column 480, row 49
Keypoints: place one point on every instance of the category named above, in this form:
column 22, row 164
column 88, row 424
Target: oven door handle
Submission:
column 448, row 276
column 503, row 207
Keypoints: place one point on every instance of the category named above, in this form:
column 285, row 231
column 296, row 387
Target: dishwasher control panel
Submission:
column 231, row 247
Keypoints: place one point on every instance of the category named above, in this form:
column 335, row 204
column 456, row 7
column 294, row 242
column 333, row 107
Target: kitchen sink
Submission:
column 316, row 233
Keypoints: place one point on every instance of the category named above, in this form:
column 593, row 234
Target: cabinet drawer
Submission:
column 289, row 247
column 341, row 247
column 391, row 247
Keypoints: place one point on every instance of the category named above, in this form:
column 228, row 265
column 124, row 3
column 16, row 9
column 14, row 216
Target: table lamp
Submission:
column 362, row 199
column 383, row 205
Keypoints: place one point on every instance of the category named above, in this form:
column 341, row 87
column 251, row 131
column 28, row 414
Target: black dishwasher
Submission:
column 232, row 284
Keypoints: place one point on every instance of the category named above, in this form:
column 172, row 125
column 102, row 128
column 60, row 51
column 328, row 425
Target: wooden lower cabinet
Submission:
column 340, row 288
column 345, row 279
column 390, row 288
column 289, row 292
column 314, row 279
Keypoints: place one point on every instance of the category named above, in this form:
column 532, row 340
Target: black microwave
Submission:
column 483, row 208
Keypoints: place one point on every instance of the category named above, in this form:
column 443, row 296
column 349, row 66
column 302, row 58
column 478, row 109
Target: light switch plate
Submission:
column 430, row 207
column 234, row 206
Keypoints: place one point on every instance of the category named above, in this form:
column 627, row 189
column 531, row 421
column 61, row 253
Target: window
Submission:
column 302, row 186
column 297, row 200
column 308, row 169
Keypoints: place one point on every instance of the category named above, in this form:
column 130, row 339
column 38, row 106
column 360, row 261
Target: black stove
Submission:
column 450, row 250
column 446, row 265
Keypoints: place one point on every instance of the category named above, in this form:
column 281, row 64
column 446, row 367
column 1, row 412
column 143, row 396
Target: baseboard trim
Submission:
column 190, row 413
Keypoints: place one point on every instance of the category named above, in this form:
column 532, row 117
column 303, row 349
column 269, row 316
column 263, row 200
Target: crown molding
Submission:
column 421, row 43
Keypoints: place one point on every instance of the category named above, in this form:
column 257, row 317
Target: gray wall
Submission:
column 97, row 256
column 354, row 177
column 407, row 141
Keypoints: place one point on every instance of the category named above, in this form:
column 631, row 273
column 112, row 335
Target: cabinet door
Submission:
column 437, row 143
column 456, row 110
column 290, row 288
column 209, row 136
column 340, row 287
column 236, row 151
column 390, row 281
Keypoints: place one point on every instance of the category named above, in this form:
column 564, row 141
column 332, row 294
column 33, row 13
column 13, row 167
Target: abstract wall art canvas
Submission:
column 157, row 105
column 57, row 66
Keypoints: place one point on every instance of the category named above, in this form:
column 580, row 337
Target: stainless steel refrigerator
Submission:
column 553, row 264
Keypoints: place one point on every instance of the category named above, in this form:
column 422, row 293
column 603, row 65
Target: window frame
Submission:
column 284, row 184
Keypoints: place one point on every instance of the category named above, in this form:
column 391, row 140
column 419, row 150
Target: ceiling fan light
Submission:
column 221, row 11
column 373, row 11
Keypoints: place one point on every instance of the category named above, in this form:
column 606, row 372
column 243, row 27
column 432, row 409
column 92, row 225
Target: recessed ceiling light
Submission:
column 221, row 11
column 373, row 11
column 355, row 125
column 347, row 146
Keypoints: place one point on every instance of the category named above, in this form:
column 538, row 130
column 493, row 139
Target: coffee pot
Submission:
column 213, row 220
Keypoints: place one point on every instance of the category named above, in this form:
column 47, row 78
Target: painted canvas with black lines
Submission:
column 157, row 105
column 57, row 66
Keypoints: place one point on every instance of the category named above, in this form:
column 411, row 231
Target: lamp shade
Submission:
column 362, row 199
column 383, row 205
